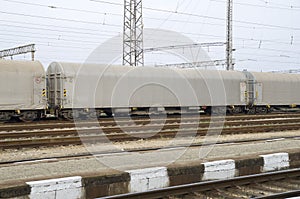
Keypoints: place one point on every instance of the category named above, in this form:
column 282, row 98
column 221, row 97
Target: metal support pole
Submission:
column 133, row 53
column 229, row 47
column 32, row 55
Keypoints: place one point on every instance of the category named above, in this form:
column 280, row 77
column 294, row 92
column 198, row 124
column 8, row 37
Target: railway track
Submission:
column 275, row 185
column 190, row 128
column 89, row 133
column 134, row 121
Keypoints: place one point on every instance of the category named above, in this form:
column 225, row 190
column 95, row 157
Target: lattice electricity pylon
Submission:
column 133, row 53
column 18, row 50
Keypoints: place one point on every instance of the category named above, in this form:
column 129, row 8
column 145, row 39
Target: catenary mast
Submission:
column 133, row 54
column 229, row 48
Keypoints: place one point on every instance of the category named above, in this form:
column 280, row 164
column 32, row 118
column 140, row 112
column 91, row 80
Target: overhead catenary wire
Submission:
column 152, row 18
column 249, row 39
column 269, row 49
column 262, row 6
column 60, row 19
column 84, row 50
column 108, row 36
column 145, row 17
column 237, row 38
column 160, row 19
column 278, row 4
column 146, row 8
column 271, row 61
column 203, row 16
column 119, row 4
column 52, row 30
column 56, row 26
column 281, row 56
column 96, row 34
column 87, row 42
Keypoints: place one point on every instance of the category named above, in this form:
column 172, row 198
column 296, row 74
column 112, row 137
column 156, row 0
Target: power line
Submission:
column 195, row 45
column 271, row 61
column 77, row 10
column 262, row 6
column 84, row 49
column 59, row 19
column 95, row 30
column 282, row 56
column 48, row 44
column 88, row 41
column 243, row 47
column 119, row 4
column 202, row 16
column 62, row 8
column 56, row 26
column 267, row 41
column 269, row 49
column 48, row 29
column 162, row 10
column 153, row 9
column 278, row 4
column 80, row 46
column 90, row 11
column 203, row 64
column 97, row 34
column 114, row 14
column 56, row 39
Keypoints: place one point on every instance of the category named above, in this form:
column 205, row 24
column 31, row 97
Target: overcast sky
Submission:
column 266, row 32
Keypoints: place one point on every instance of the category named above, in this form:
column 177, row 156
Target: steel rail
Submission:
column 285, row 195
column 137, row 128
column 121, row 121
column 121, row 137
column 212, row 185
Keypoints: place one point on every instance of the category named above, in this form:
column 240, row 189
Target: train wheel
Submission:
column 262, row 110
column 29, row 115
column 252, row 111
column 68, row 115
column 237, row 110
column 270, row 110
column 5, row 116
column 219, row 110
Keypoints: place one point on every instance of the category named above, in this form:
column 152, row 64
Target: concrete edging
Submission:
column 151, row 178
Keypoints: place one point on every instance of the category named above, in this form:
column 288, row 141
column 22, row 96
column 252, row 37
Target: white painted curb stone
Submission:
column 61, row 188
column 218, row 170
column 148, row 179
column 276, row 161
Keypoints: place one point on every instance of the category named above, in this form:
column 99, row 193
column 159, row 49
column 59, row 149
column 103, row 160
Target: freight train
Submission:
column 69, row 90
